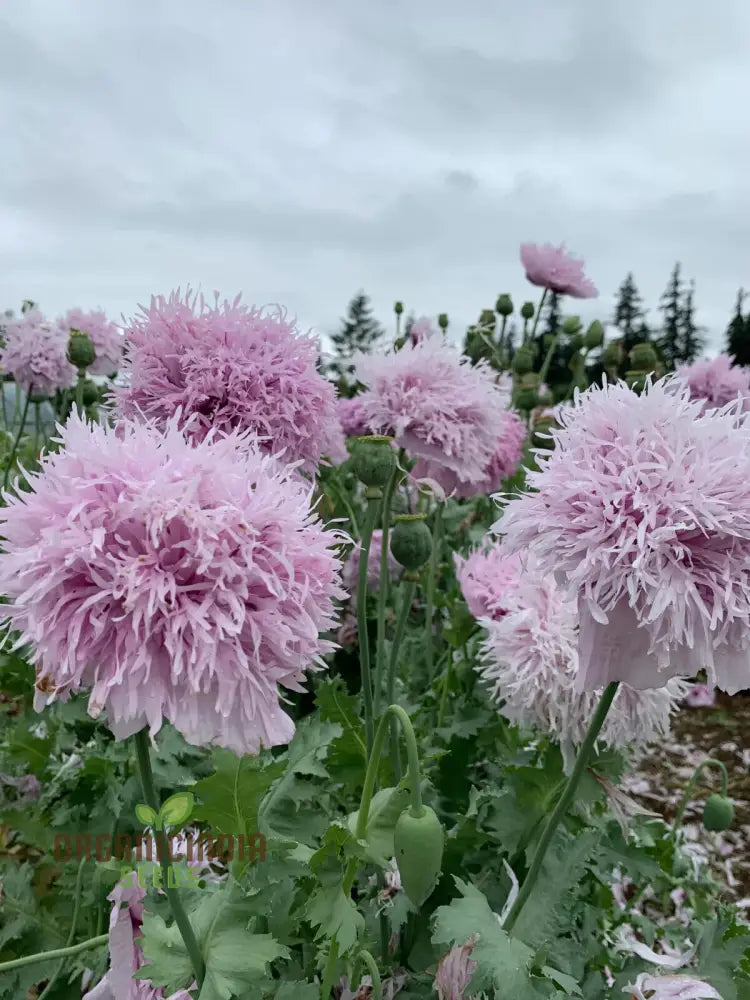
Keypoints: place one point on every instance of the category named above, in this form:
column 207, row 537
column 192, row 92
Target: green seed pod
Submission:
column 443, row 321
column 504, row 305
column 643, row 357
column 523, row 360
column 612, row 355
column 594, row 335
column 81, row 351
column 527, row 399
column 398, row 308
column 527, row 310
column 718, row 813
column 411, row 541
column 419, row 842
column 487, row 319
column 572, row 324
column 374, row 460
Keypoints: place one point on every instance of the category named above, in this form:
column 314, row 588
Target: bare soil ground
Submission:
column 661, row 775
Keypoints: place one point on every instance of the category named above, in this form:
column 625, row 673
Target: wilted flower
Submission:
column 454, row 972
column 486, row 577
column 229, row 367
column 35, row 354
column 125, row 954
column 352, row 416
column 553, row 268
column 530, row 662
column 670, row 988
column 717, row 381
column 104, row 335
column 441, row 409
column 642, row 511
column 173, row 579
column 350, row 573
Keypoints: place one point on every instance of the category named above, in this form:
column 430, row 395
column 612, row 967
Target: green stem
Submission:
column 178, row 911
column 79, row 390
column 417, row 809
column 548, row 359
column 691, row 787
column 14, row 449
column 407, row 600
column 340, row 494
column 536, row 317
column 444, row 694
column 366, row 958
column 5, row 408
column 563, row 803
column 327, row 983
column 501, row 344
column 437, row 538
column 76, row 906
column 383, row 588
column 373, row 496
column 37, row 435
column 48, row 956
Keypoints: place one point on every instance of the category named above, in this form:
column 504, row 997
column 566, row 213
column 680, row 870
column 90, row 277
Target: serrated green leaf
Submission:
column 231, row 796
column 298, row 991
column 32, row 751
column 720, row 954
column 335, row 915
column 234, row 956
column 502, row 962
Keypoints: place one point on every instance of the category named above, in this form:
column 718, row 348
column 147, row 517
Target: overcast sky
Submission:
column 297, row 150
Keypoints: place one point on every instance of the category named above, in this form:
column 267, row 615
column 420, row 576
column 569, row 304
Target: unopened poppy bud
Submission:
column 643, row 357
column 718, row 813
column 373, row 460
column 612, row 355
column 527, row 310
column 411, row 541
column 443, row 321
column 419, row 841
column 398, row 308
column 487, row 318
column 594, row 335
column 572, row 324
column 504, row 305
column 81, row 351
column 523, row 360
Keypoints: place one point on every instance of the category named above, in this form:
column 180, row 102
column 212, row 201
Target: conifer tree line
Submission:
column 673, row 333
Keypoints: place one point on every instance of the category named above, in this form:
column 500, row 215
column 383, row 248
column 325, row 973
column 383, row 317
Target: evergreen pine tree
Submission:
column 359, row 331
column 691, row 339
column 630, row 319
column 738, row 333
column 671, row 308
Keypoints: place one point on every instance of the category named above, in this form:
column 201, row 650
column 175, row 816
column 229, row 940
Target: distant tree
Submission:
column 630, row 319
column 691, row 336
column 671, row 306
column 359, row 331
column 738, row 333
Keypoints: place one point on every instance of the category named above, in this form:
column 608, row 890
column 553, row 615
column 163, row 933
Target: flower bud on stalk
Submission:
column 643, row 357
column 527, row 310
column 504, row 305
column 81, row 351
column 523, row 361
column 718, row 813
column 374, row 460
column 398, row 308
column 594, row 335
column 443, row 321
column 572, row 325
column 419, row 840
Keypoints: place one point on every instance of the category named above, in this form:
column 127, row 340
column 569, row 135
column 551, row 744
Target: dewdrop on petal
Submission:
column 171, row 579
column 642, row 512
